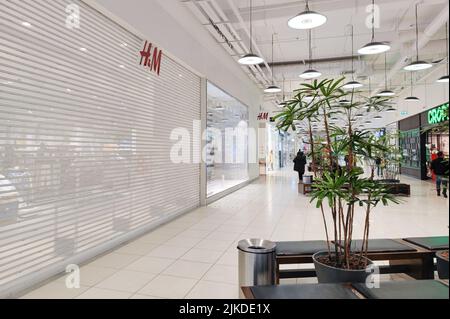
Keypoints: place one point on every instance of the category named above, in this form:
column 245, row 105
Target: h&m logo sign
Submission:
column 151, row 57
column 263, row 116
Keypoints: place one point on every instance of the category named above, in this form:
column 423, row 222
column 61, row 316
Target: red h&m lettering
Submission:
column 263, row 116
column 152, row 61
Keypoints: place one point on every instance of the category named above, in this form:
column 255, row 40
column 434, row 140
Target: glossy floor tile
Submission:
column 195, row 256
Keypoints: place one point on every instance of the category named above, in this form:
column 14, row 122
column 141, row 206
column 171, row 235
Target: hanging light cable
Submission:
column 352, row 84
column 386, row 92
column 374, row 47
column 418, row 65
column 251, row 58
column 444, row 79
column 310, row 73
column 272, row 88
column 307, row 19
column 283, row 103
column 412, row 98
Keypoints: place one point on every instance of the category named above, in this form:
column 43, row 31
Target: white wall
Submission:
column 431, row 94
column 171, row 26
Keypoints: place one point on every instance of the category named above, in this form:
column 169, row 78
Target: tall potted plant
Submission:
column 342, row 191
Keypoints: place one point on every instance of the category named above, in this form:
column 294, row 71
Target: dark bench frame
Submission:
column 418, row 264
column 248, row 294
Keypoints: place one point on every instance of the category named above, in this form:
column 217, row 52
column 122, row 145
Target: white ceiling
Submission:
column 332, row 41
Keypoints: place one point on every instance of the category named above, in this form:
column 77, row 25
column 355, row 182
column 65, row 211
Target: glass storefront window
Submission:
column 226, row 142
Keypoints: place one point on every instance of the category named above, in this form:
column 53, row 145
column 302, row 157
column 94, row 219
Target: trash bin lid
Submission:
column 257, row 246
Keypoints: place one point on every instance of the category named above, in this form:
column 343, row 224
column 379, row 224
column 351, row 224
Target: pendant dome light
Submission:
column 412, row 98
column 251, row 58
column 307, row 19
column 418, row 65
column 386, row 92
column 444, row 79
column 272, row 88
column 310, row 73
column 353, row 84
column 374, row 47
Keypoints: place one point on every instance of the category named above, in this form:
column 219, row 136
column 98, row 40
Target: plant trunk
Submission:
column 313, row 155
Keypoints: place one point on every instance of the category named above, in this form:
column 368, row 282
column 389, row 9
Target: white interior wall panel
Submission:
column 84, row 137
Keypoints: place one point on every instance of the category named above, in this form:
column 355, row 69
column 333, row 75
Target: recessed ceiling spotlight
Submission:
column 443, row 79
column 83, row 49
column 26, row 24
column 391, row 110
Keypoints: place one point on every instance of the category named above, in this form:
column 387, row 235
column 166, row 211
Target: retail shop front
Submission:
column 88, row 116
column 422, row 136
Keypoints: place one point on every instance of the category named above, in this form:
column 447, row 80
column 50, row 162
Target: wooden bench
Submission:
column 403, row 257
column 415, row 289
column 399, row 189
column 304, row 188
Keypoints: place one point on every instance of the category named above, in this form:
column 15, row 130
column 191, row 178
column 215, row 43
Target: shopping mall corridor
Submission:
column 195, row 256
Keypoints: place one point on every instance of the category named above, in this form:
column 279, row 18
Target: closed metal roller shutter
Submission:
column 84, row 137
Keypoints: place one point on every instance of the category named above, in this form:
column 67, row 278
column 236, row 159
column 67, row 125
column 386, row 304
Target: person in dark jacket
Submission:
column 440, row 168
column 299, row 164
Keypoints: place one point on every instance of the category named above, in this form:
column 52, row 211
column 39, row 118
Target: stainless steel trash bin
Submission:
column 257, row 263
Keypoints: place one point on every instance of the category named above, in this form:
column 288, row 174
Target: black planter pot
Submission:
column 442, row 265
column 327, row 274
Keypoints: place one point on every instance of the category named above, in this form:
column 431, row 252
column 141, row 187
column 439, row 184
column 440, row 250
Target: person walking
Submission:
column 379, row 162
column 299, row 164
column 270, row 159
column 440, row 166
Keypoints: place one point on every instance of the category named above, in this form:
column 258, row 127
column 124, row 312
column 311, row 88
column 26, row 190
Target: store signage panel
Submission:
column 438, row 114
column 264, row 116
column 151, row 57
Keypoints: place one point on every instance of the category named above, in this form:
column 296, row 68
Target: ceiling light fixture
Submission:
column 251, row 58
column 418, row 65
column 352, row 84
column 272, row 88
column 26, row 24
column 345, row 102
column 386, row 92
column 307, row 19
column 444, row 79
column 412, row 98
column 310, row 73
column 374, row 47
column 378, row 117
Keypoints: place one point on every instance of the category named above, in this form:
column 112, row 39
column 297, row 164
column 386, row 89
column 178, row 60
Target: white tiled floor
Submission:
column 195, row 256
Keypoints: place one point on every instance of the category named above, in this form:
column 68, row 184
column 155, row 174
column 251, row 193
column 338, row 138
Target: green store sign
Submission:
column 438, row 114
